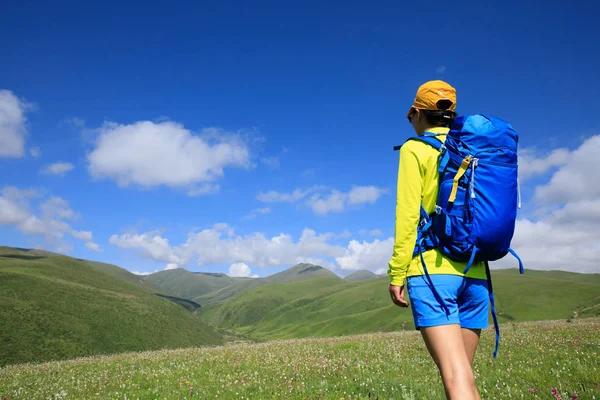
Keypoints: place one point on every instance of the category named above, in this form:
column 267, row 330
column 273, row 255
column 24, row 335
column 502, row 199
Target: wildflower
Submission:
column 532, row 390
column 556, row 394
column 575, row 396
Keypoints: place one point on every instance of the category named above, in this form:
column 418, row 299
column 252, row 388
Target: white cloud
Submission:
column 366, row 255
column 57, row 168
column 365, row 194
column 337, row 201
column 578, row 179
column 279, row 197
column 10, row 212
column 271, row 162
column 58, row 208
column 12, row 125
column 563, row 235
column 530, row 164
column 86, row 236
column 373, row 232
column 220, row 245
column 323, row 200
column 151, row 154
column 144, row 273
column 206, row 189
column 49, row 221
column 35, row 152
column 334, row 202
column 171, row 266
column 440, row 69
column 257, row 211
column 150, row 244
column 93, row 246
column 239, row 270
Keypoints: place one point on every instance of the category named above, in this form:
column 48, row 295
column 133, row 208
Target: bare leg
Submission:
column 471, row 340
column 447, row 348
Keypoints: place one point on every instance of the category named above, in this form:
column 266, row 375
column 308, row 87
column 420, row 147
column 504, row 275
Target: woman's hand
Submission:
column 397, row 293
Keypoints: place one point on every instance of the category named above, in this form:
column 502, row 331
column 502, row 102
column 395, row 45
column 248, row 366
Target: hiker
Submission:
column 451, row 333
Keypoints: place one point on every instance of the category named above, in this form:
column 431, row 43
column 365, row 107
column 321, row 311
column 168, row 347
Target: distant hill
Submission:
column 189, row 285
column 362, row 275
column 205, row 288
column 56, row 307
column 230, row 291
column 301, row 272
column 327, row 307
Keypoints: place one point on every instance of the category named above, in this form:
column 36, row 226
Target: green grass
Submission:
column 329, row 307
column 534, row 358
column 183, row 283
column 362, row 275
column 207, row 288
column 56, row 307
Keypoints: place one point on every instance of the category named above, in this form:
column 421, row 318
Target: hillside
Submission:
column 535, row 356
column 206, row 288
column 189, row 285
column 362, row 275
column 301, row 272
column 321, row 307
column 57, row 307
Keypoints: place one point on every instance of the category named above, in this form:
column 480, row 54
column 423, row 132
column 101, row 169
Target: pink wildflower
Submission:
column 556, row 394
column 575, row 396
column 532, row 390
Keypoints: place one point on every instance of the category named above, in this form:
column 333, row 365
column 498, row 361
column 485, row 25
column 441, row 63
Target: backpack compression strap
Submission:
column 492, row 304
column 429, row 138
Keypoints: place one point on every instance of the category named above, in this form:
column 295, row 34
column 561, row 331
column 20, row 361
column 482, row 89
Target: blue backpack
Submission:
column 476, row 210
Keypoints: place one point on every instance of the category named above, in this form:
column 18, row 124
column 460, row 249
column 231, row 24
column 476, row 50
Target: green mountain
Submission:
column 301, row 272
column 206, row 288
column 236, row 288
column 362, row 275
column 57, row 307
column 329, row 307
column 189, row 285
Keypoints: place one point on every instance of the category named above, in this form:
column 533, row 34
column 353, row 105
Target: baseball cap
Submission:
column 429, row 95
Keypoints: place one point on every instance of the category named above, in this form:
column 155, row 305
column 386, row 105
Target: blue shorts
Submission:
column 467, row 300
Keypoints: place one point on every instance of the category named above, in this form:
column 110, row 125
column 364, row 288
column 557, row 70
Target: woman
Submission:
column 450, row 330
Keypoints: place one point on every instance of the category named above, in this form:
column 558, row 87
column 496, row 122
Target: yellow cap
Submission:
column 430, row 93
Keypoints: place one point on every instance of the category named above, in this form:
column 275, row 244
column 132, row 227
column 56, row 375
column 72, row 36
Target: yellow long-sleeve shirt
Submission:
column 418, row 184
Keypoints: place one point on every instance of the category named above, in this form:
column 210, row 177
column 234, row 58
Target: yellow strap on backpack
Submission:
column 464, row 166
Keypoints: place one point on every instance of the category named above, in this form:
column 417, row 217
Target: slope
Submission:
column 56, row 307
column 362, row 275
column 189, row 285
column 255, row 304
column 293, row 311
column 301, row 272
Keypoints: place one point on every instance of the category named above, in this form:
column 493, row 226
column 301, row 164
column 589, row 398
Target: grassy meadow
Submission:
column 536, row 360
column 56, row 307
column 322, row 307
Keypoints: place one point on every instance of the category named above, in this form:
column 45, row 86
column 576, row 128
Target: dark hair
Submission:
column 442, row 117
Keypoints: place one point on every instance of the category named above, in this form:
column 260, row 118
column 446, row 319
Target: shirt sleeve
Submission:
column 408, row 206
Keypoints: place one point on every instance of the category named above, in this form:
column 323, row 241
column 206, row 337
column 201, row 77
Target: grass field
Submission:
column 535, row 360
column 54, row 307
column 324, row 307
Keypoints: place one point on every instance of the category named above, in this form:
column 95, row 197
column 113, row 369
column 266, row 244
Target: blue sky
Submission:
column 258, row 135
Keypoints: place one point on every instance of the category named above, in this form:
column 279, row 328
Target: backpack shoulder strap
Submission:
column 429, row 138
